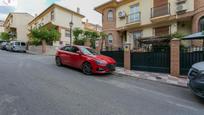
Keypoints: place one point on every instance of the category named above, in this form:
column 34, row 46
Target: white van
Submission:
column 18, row 46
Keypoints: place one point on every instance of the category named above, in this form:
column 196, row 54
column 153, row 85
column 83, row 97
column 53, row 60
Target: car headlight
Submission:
column 101, row 62
column 202, row 76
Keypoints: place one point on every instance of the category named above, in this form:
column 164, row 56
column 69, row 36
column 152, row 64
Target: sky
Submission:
column 37, row 6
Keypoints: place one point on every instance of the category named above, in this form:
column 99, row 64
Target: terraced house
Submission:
column 127, row 21
column 60, row 17
column 16, row 24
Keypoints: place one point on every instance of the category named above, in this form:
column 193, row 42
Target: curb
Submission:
column 122, row 75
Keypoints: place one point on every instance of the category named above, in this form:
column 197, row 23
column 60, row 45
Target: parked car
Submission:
column 86, row 59
column 17, row 46
column 196, row 79
column 8, row 46
column 3, row 45
column 1, row 41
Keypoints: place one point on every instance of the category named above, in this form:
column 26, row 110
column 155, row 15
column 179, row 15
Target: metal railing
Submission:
column 133, row 18
column 160, row 10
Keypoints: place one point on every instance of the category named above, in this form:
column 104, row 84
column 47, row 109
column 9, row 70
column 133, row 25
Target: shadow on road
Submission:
column 94, row 75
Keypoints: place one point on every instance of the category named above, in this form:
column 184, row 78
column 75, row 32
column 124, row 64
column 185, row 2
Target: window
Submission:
column 67, row 33
column 110, row 38
column 67, row 48
column 17, row 43
column 162, row 31
column 52, row 15
column 23, row 44
column 74, row 49
column 134, row 13
column 110, row 15
column 201, row 24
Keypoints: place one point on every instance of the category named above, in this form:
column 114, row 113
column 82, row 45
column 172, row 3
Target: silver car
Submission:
column 17, row 46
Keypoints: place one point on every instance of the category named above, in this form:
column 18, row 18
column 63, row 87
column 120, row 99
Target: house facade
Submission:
column 16, row 24
column 1, row 26
column 60, row 17
column 92, row 27
column 127, row 21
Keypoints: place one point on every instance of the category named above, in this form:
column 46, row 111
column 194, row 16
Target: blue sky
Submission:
column 49, row 2
column 37, row 6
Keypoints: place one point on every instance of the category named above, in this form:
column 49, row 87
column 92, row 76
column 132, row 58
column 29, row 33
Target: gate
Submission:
column 156, row 60
column 118, row 56
column 190, row 56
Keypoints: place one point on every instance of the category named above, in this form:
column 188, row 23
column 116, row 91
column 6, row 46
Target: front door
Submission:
column 75, row 57
column 136, row 36
column 65, row 55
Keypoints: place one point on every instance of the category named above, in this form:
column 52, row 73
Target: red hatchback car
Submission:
column 86, row 59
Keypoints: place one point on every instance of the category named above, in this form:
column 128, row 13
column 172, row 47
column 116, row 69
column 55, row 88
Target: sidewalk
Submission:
column 159, row 77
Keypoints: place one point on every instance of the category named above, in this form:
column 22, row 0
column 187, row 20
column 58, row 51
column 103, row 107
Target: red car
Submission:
column 86, row 59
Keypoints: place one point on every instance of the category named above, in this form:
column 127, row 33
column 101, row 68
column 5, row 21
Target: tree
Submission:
column 94, row 37
column 5, row 36
column 103, row 37
column 78, row 36
column 44, row 35
column 81, row 36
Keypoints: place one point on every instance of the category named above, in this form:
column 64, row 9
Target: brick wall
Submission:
column 109, row 27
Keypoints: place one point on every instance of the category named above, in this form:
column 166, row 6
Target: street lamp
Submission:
column 71, row 25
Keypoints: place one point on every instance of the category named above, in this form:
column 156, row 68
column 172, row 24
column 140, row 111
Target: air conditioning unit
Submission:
column 181, row 7
column 121, row 14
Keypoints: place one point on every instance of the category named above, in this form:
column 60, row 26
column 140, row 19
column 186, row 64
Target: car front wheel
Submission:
column 87, row 69
column 58, row 61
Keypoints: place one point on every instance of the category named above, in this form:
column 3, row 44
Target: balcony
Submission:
column 133, row 18
column 160, row 10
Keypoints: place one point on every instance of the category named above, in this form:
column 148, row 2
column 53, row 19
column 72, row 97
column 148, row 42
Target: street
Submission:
column 34, row 85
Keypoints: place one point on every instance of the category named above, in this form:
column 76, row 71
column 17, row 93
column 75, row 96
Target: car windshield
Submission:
column 88, row 51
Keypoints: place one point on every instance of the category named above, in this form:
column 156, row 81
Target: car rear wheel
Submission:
column 58, row 61
column 87, row 69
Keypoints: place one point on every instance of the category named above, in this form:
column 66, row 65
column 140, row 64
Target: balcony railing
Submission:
column 160, row 10
column 133, row 18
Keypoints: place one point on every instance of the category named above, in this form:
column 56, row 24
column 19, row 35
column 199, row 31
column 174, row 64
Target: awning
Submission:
column 199, row 35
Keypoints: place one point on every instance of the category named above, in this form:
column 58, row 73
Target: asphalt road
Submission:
column 33, row 85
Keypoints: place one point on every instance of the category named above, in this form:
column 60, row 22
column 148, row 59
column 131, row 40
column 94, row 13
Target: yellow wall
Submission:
column 145, row 9
column 126, row 8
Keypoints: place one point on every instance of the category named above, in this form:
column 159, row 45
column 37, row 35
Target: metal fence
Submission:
column 190, row 56
column 156, row 60
column 116, row 55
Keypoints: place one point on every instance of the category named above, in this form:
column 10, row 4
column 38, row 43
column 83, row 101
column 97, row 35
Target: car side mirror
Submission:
column 79, row 52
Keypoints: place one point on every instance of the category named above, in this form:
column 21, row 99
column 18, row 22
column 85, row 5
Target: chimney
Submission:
column 78, row 10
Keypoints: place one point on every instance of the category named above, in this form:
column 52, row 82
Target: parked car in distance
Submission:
column 1, row 41
column 86, row 59
column 17, row 46
column 196, row 79
column 8, row 46
column 3, row 45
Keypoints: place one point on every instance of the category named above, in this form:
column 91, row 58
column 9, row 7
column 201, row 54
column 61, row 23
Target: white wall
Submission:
column 21, row 21
column 63, row 18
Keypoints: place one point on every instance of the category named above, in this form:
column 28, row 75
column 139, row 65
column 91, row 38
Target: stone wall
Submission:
column 50, row 50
